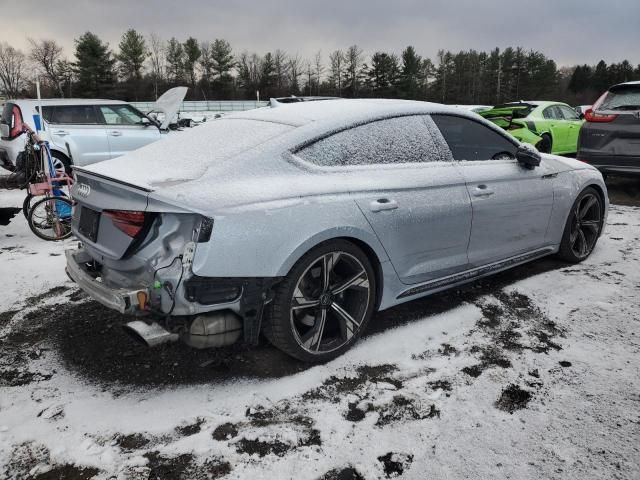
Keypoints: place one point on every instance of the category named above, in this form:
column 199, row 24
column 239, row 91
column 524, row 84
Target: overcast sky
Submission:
column 569, row 31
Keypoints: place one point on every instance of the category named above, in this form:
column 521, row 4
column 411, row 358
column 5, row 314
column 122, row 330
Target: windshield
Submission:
column 622, row 98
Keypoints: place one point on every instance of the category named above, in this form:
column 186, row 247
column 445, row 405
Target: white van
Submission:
column 82, row 131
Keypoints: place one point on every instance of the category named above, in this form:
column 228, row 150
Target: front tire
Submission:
column 583, row 227
column 324, row 304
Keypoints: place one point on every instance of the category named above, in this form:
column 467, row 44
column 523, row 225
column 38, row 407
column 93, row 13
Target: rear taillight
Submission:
column 126, row 221
column 594, row 117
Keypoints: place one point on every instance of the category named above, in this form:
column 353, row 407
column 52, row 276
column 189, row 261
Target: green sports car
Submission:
column 552, row 127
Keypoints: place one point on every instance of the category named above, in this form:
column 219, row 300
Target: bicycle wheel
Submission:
column 50, row 218
column 27, row 205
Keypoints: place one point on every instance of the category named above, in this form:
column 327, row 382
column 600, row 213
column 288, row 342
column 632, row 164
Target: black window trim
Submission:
column 485, row 123
column 292, row 156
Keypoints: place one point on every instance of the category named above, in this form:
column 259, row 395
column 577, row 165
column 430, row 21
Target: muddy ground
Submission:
column 514, row 333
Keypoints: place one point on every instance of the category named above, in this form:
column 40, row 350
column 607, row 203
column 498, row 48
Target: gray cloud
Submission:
column 570, row 31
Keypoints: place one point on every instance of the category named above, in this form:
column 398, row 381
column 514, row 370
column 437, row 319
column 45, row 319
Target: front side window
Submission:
column 395, row 140
column 471, row 140
column 120, row 115
column 73, row 114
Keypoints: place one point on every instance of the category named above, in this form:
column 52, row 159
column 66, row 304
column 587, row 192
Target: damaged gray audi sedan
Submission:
column 301, row 221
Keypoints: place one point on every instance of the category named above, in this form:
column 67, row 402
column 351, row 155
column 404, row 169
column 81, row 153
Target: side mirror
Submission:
column 528, row 156
column 4, row 131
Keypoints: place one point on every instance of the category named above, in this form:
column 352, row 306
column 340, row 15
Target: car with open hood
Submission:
column 553, row 127
column 301, row 221
column 84, row 131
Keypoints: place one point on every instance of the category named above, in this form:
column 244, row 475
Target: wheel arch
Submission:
column 367, row 242
column 57, row 151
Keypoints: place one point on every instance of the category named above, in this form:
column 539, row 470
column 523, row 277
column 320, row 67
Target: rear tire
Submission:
column 546, row 144
column 583, row 227
column 316, row 316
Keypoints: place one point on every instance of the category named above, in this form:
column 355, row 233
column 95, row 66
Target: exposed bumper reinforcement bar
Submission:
column 120, row 299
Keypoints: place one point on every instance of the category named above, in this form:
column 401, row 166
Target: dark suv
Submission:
column 610, row 137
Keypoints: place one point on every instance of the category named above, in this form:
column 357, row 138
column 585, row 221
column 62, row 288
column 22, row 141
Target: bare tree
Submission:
column 13, row 66
column 280, row 69
column 47, row 56
column 157, row 59
column 309, row 76
column 319, row 70
column 295, row 72
column 337, row 70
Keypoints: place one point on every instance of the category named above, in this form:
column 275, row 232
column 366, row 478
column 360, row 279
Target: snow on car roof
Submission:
column 343, row 110
column 67, row 101
column 225, row 149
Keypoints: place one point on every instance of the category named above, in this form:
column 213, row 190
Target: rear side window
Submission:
column 72, row 114
column 471, row 140
column 552, row 113
column 567, row 113
column 394, row 140
column 622, row 98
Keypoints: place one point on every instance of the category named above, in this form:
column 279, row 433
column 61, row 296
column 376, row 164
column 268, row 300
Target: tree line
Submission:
column 142, row 68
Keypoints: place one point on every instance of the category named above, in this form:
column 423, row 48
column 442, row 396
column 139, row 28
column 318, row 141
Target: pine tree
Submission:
column 192, row 54
column 601, row 77
column 93, row 66
column 132, row 55
column 410, row 77
column 175, row 61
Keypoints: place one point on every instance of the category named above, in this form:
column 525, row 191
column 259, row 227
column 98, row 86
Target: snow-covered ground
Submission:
column 532, row 374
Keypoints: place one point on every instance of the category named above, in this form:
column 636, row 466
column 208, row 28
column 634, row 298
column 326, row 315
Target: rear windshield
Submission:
column 622, row 98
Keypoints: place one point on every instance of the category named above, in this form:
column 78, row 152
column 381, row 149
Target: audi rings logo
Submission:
column 83, row 190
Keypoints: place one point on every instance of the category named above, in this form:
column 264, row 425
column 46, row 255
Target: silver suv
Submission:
column 81, row 131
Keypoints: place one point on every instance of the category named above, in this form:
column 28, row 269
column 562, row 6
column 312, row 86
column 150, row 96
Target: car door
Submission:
column 511, row 204
column 78, row 127
column 126, row 128
column 572, row 123
column 409, row 191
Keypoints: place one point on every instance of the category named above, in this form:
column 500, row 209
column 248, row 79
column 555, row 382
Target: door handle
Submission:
column 62, row 133
column 383, row 204
column 482, row 191
column 115, row 133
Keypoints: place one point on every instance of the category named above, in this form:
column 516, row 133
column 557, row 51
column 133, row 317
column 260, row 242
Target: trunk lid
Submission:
column 96, row 197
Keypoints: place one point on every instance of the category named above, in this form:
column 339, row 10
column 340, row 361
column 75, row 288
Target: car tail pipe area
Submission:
column 208, row 330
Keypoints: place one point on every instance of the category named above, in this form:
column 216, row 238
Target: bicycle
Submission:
column 49, row 218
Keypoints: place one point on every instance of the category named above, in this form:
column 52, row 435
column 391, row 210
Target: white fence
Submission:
column 208, row 106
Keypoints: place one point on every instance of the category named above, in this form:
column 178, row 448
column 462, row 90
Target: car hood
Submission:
column 169, row 104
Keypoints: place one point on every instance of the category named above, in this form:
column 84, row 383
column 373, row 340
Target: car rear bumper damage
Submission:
column 212, row 312
column 120, row 299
